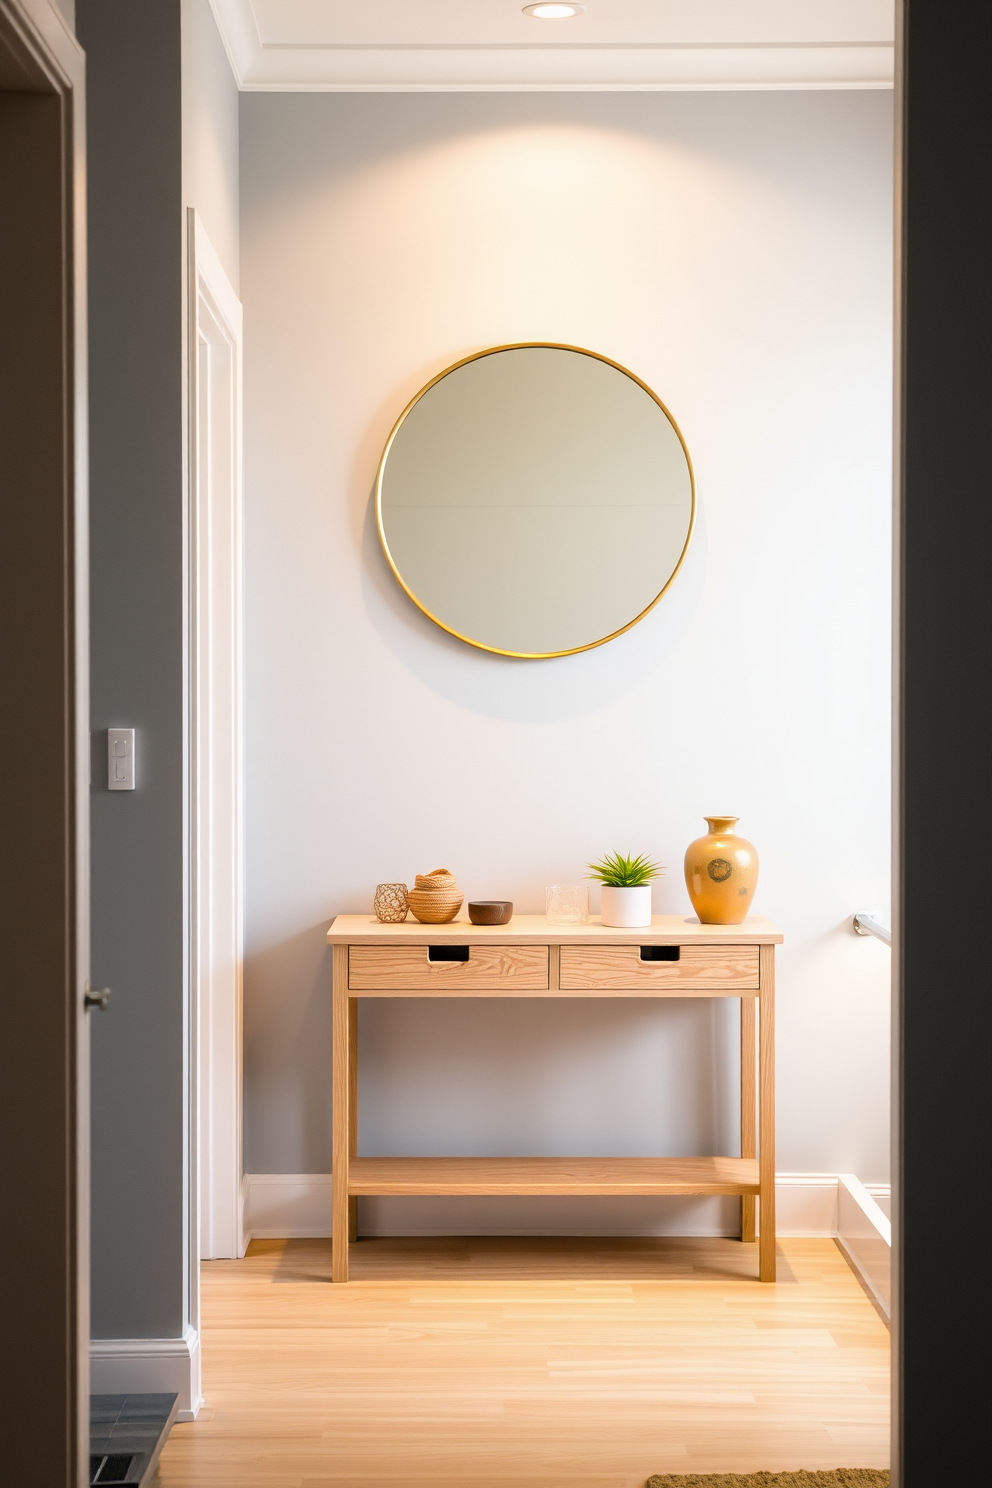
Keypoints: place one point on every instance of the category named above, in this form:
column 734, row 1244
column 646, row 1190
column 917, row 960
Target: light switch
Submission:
column 120, row 759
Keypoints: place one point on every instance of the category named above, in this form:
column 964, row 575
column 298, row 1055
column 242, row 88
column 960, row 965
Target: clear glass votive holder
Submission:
column 566, row 904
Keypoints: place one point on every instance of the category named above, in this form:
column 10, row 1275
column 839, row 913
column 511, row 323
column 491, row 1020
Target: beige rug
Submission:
column 838, row 1477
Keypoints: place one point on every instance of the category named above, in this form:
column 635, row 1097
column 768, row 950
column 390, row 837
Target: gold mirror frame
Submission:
column 381, row 470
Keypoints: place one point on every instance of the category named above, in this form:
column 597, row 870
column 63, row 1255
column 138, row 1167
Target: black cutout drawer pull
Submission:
column 660, row 953
column 447, row 953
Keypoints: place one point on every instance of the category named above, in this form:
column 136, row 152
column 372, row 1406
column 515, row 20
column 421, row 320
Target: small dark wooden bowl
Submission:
column 490, row 911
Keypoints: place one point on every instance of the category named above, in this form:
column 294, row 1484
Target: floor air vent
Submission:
column 115, row 1467
column 127, row 1433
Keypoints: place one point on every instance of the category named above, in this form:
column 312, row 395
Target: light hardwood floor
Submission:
column 485, row 1363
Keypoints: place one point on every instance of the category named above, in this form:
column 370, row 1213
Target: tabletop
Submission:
column 535, row 929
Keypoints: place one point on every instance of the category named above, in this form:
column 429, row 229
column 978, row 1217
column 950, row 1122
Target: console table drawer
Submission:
column 497, row 968
column 619, row 968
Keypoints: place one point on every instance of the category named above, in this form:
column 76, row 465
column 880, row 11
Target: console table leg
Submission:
column 352, row 1106
column 766, row 1087
column 748, row 1098
column 341, row 1069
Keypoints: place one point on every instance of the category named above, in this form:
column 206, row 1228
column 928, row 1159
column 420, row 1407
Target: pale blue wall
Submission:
column 735, row 250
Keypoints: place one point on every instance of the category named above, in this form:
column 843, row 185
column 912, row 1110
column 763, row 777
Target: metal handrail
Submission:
column 866, row 923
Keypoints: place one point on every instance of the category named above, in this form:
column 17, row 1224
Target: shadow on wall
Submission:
column 480, row 1076
column 546, row 1076
column 287, row 1054
column 524, row 691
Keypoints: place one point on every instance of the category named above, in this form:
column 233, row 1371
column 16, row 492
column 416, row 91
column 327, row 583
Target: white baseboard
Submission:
column 244, row 1220
column 882, row 1194
column 805, row 1204
column 287, row 1206
column 864, row 1233
column 122, row 1366
column 281, row 1206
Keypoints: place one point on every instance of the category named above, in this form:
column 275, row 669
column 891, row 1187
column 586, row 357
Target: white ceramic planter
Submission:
column 625, row 909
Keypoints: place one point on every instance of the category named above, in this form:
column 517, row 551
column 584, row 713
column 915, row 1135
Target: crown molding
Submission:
column 270, row 64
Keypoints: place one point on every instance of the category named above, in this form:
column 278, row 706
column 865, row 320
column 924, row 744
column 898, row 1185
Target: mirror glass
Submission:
column 535, row 500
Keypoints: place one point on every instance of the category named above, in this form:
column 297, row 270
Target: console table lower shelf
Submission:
column 552, row 1175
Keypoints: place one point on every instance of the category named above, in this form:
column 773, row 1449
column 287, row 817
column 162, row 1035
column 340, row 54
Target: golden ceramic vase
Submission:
column 721, row 873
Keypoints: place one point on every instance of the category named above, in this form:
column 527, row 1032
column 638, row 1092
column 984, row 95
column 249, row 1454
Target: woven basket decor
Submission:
column 435, row 898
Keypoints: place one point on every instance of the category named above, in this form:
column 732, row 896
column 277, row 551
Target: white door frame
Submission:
column 216, row 756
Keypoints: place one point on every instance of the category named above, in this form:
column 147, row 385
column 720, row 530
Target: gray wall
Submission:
column 735, row 250
column 137, row 639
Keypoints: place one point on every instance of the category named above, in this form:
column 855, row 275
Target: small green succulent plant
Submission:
column 620, row 872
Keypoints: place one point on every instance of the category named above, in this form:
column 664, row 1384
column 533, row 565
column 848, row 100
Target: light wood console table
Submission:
column 676, row 957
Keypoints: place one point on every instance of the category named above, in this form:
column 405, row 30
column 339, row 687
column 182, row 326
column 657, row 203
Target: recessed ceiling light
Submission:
column 553, row 10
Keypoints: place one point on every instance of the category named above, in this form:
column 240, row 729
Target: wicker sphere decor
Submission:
column 435, row 898
column 390, row 903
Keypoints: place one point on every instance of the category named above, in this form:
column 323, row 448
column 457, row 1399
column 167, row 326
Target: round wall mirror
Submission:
column 535, row 500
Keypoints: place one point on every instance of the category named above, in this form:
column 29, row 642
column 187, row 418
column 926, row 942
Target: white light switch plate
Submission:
column 120, row 759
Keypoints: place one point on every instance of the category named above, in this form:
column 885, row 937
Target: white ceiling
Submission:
column 441, row 45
